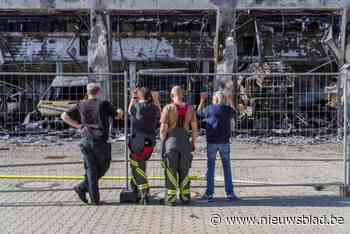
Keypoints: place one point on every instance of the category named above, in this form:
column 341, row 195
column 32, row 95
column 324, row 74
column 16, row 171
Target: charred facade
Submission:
column 200, row 36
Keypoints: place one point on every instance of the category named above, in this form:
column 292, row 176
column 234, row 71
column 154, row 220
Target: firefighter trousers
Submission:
column 139, row 182
column 177, row 167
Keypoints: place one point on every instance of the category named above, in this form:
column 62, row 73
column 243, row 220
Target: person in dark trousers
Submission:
column 94, row 115
column 218, row 117
column 144, row 110
column 176, row 120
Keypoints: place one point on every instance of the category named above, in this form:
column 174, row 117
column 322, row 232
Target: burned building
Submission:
column 268, row 42
column 65, row 36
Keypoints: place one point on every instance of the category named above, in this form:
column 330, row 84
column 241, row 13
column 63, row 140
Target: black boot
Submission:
column 185, row 202
column 81, row 194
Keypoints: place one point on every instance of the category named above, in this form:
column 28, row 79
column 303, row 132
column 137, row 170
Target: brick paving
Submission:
column 52, row 207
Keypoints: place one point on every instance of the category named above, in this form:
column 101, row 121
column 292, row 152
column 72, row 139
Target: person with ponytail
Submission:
column 144, row 110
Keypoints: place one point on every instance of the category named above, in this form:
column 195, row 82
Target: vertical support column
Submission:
column 132, row 75
column 109, row 55
column 216, row 41
column 99, row 52
column 132, row 82
column 235, row 64
column 345, row 188
column 126, row 130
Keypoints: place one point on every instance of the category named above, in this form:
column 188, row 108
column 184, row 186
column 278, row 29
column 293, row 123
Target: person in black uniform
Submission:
column 94, row 115
column 144, row 110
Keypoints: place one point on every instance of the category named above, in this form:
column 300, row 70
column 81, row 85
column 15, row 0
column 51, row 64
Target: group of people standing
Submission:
column 178, row 135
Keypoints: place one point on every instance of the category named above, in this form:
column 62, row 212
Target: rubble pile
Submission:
column 285, row 104
column 39, row 139
column 290, row 140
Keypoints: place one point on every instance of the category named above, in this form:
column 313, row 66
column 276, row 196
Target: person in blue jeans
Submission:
column 218, row 117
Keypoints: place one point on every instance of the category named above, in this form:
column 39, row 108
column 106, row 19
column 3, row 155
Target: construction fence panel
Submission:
column 287, row 128
column 34, row 142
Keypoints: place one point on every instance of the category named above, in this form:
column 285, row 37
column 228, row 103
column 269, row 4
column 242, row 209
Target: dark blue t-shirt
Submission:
column 218, row 123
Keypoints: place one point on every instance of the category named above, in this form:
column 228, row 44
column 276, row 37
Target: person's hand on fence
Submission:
column 204, row 97
column 135, row 94
column 156, row 100
column 230, row 101
column 135, row 97
column 133, row 101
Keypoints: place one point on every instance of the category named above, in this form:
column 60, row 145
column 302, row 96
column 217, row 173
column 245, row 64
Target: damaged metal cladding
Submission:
column 172, row 37
column 275, row 38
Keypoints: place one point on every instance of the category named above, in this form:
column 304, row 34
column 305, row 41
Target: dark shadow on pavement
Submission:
column 277, row 201
column 271, row 201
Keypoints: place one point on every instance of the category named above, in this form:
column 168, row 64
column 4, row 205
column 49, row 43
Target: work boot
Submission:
column 81, row 194
column 99, row 203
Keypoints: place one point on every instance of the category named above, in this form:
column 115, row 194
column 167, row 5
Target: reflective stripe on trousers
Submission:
column 139, row 179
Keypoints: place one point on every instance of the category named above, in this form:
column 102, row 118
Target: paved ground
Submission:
column 51, row 206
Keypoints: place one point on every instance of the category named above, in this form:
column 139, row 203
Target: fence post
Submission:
column 345, row 188
column 126, row 130
column 132, row 82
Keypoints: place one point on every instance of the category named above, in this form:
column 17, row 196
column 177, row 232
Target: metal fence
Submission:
column 306, row 104
column 287, row 127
